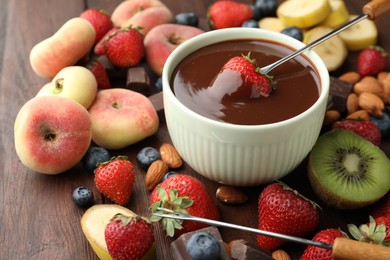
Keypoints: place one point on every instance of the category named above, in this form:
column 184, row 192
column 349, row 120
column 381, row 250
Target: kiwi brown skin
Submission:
column 329, row 195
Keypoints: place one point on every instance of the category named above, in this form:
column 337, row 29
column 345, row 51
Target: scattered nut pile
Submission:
column 356, row 97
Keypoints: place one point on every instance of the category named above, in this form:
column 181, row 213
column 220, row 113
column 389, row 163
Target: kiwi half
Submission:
column 348, row 172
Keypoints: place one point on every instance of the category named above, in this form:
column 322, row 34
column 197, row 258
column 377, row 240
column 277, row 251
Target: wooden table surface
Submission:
column 38, row 219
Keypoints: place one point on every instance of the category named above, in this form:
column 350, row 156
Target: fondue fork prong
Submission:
column 182, row 216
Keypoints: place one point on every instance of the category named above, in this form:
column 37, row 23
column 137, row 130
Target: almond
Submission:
column 352, row 103
column 382, row 75
column 170, row 156
column 368, row 84
column 386, row 89
column 359, row 115
column 351, row 77
column 155, row 173
column 372, row 103
column 331, row 116
column 280, row 254
column 230, row 195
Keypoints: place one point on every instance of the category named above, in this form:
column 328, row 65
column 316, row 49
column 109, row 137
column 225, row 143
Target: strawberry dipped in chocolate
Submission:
column 241, row 78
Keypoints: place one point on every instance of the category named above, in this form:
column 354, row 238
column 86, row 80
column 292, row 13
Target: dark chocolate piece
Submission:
column 157, row 101
column 339, row 90
column 178, row 246
column 138, row 80
column 243, row 250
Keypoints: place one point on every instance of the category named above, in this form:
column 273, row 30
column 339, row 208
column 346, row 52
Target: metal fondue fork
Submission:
column 371, row 10
column 268, row 68
column 182, row 216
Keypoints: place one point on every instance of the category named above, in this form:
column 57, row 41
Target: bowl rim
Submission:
column 237, row 33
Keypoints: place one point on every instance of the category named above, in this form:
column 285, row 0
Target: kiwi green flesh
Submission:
column 347, row 171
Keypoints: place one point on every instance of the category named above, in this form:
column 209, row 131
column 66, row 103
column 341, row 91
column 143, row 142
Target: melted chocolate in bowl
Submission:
column 196, row 85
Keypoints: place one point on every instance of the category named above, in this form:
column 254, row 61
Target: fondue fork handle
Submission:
column 181, row 216
column 376, row 8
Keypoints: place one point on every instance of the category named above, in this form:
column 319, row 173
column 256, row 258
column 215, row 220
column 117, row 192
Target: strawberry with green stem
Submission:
column 124, row 47
column 377, row 231
column 240, row 77
column 128, row 237
column 185, row 194
column 115, row 179
column 283, row 210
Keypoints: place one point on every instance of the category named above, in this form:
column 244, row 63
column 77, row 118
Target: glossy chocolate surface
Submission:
column 194, row 83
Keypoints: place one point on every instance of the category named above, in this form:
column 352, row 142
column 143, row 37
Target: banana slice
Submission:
column 339, row 14
column 333, row 51
column 360, row 35
column 271, row 24
column 303, row 13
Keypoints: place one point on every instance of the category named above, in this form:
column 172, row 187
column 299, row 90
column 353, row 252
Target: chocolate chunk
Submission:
column 243, row 250
column 178, row 246
column 339, row 91
column 138, row 80
column 157, row 101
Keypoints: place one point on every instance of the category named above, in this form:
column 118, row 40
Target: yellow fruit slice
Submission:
column 333, row 51
column 271, row 24
column 360, row 35
column 339, row 14
column 94, row 222
column 303, row 13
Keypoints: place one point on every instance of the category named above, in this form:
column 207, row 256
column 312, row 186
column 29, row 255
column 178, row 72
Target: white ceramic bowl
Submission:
column 241, row 155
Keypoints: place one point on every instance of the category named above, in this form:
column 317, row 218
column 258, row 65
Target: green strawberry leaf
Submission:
column 162, row 193
column 173, row 202
column 355, row 232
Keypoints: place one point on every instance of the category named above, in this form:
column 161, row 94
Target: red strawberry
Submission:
column 325, row 236
column 377, row 231
column 371, row 61
column 100, row 73
column 98, row 50
column 253, row 84
column 283, row 210
column 225, row 14
column 124, row 47
column 115, row 179
column 186, row 194
column 364, row 128
column 382, row 207
column 100, row 20
column 128, row 237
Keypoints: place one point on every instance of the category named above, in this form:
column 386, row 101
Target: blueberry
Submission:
column 266, row 8
column 83, row 197
column 294, row 32
column 383, row 123
column 203, row 245
column 250, row 24
column 147, row 156
column 168, row 175
column 190, row 19
column 158, row 84
column 93, row 156
column 256, row 12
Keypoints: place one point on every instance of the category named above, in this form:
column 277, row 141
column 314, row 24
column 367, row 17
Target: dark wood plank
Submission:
column 38, row 219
